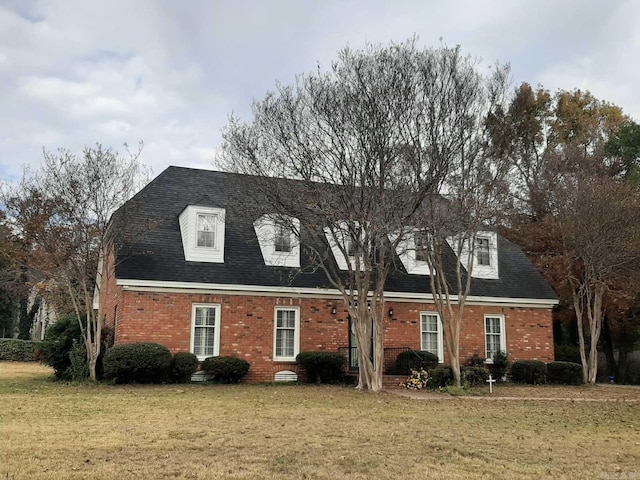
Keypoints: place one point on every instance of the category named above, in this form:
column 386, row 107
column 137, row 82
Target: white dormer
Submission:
column 485, row 261
column 202, row 230
column 341, row 238
column 412, row 252
column 278, row 241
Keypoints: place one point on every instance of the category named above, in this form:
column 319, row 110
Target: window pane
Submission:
column 285, row 333
column 430, row 327
column 283, row 238
column 206, row 231
column 482, row 251
column 204, row 331
column 421, row 246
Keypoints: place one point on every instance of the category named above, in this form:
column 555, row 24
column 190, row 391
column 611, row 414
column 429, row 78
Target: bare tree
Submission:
column 62, row 212
column 597, row 222
column 367, row 142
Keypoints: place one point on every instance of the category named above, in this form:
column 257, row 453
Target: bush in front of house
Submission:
column 225, row 369
column 57, row 345
column 500, row 365
column 79, row 365
column 564, row 373
column 137, row 363
column 473, row 376
column 322, row 367
column 567, row 353
column 532, row 372
column 14, row 350
column 440, row 377
column 415, row 360
column 183, row 365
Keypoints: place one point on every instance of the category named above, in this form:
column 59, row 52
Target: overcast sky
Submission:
column 77, row 72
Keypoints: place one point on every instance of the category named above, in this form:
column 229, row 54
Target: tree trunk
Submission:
column 607, row 340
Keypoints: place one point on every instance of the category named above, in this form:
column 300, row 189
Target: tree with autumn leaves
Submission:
column 574, row 207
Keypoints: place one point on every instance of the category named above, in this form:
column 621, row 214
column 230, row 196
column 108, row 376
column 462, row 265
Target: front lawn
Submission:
column 56, row 430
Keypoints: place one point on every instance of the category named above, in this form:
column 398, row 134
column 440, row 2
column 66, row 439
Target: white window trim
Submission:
column 265, row 228
column 336, row 237
column 490, row 271
column 189, row 232
column 296, row 333
column 440, row 335
column 503, row 333
column 216, row 345
column 406, row 251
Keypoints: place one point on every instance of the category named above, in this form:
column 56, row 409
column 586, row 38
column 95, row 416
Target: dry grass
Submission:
column 53, row 430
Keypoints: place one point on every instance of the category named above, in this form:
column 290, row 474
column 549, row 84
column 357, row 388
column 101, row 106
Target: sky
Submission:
column 75, row 72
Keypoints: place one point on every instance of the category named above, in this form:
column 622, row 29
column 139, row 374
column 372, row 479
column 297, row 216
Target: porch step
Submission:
column 393, row 381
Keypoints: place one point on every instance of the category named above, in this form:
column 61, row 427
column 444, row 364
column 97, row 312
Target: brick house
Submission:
column 195, row 274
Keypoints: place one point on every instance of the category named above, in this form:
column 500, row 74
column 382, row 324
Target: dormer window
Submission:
column 346, row 242
column 483, row 255
column 278, row 241
column 206, row 230
column 202, row 230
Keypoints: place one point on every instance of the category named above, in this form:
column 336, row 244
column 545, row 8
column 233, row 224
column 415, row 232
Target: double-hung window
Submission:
column 205, row 331
column 287, row 333
column 431, row 334
column 206, row 230
column 495, row 336
column 483, row 255
column 282, row 238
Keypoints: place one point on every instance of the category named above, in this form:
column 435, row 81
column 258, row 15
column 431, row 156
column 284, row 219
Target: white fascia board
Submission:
column 188, row 287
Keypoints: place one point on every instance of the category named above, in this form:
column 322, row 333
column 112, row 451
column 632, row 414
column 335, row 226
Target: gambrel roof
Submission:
column 150, row 245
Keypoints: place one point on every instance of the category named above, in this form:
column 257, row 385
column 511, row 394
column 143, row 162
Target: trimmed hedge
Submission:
column 322, row 367
column 564, row 373
column 440, row 377
column 137, row 363
column 474, row 376
column 415, row 360
column 18, row 350
column 225, row 369
column 528, row 371
column 183, row 365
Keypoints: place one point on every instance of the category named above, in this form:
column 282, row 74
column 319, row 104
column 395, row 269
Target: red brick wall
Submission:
column 247, row 326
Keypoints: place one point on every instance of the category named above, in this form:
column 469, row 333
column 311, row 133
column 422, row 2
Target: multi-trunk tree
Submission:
column 369, row 142
column 61, row 212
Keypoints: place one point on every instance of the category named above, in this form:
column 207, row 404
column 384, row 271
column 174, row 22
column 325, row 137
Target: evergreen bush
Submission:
column 137, row 363
column 440, row 377
column 226, row 369
column 528, row 371
column 183, row 365
column 18, row 350
column 564, row 373
column 322, row 367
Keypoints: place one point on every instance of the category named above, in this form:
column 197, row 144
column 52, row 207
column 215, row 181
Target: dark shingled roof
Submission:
column 150, row 242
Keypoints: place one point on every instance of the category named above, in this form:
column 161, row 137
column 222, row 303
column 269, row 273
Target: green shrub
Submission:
column 476, row 360
column 564, row 373
column 225, row 369
column 18, row 350
column 322, row 367
column 79, row 365
column 474, row 376
column 415, row 360
column 567, row 353
column 183, row 365
column 57, row 344
column 500, row 365
column 440, row 377
column 137, row 363
column 528, row 371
